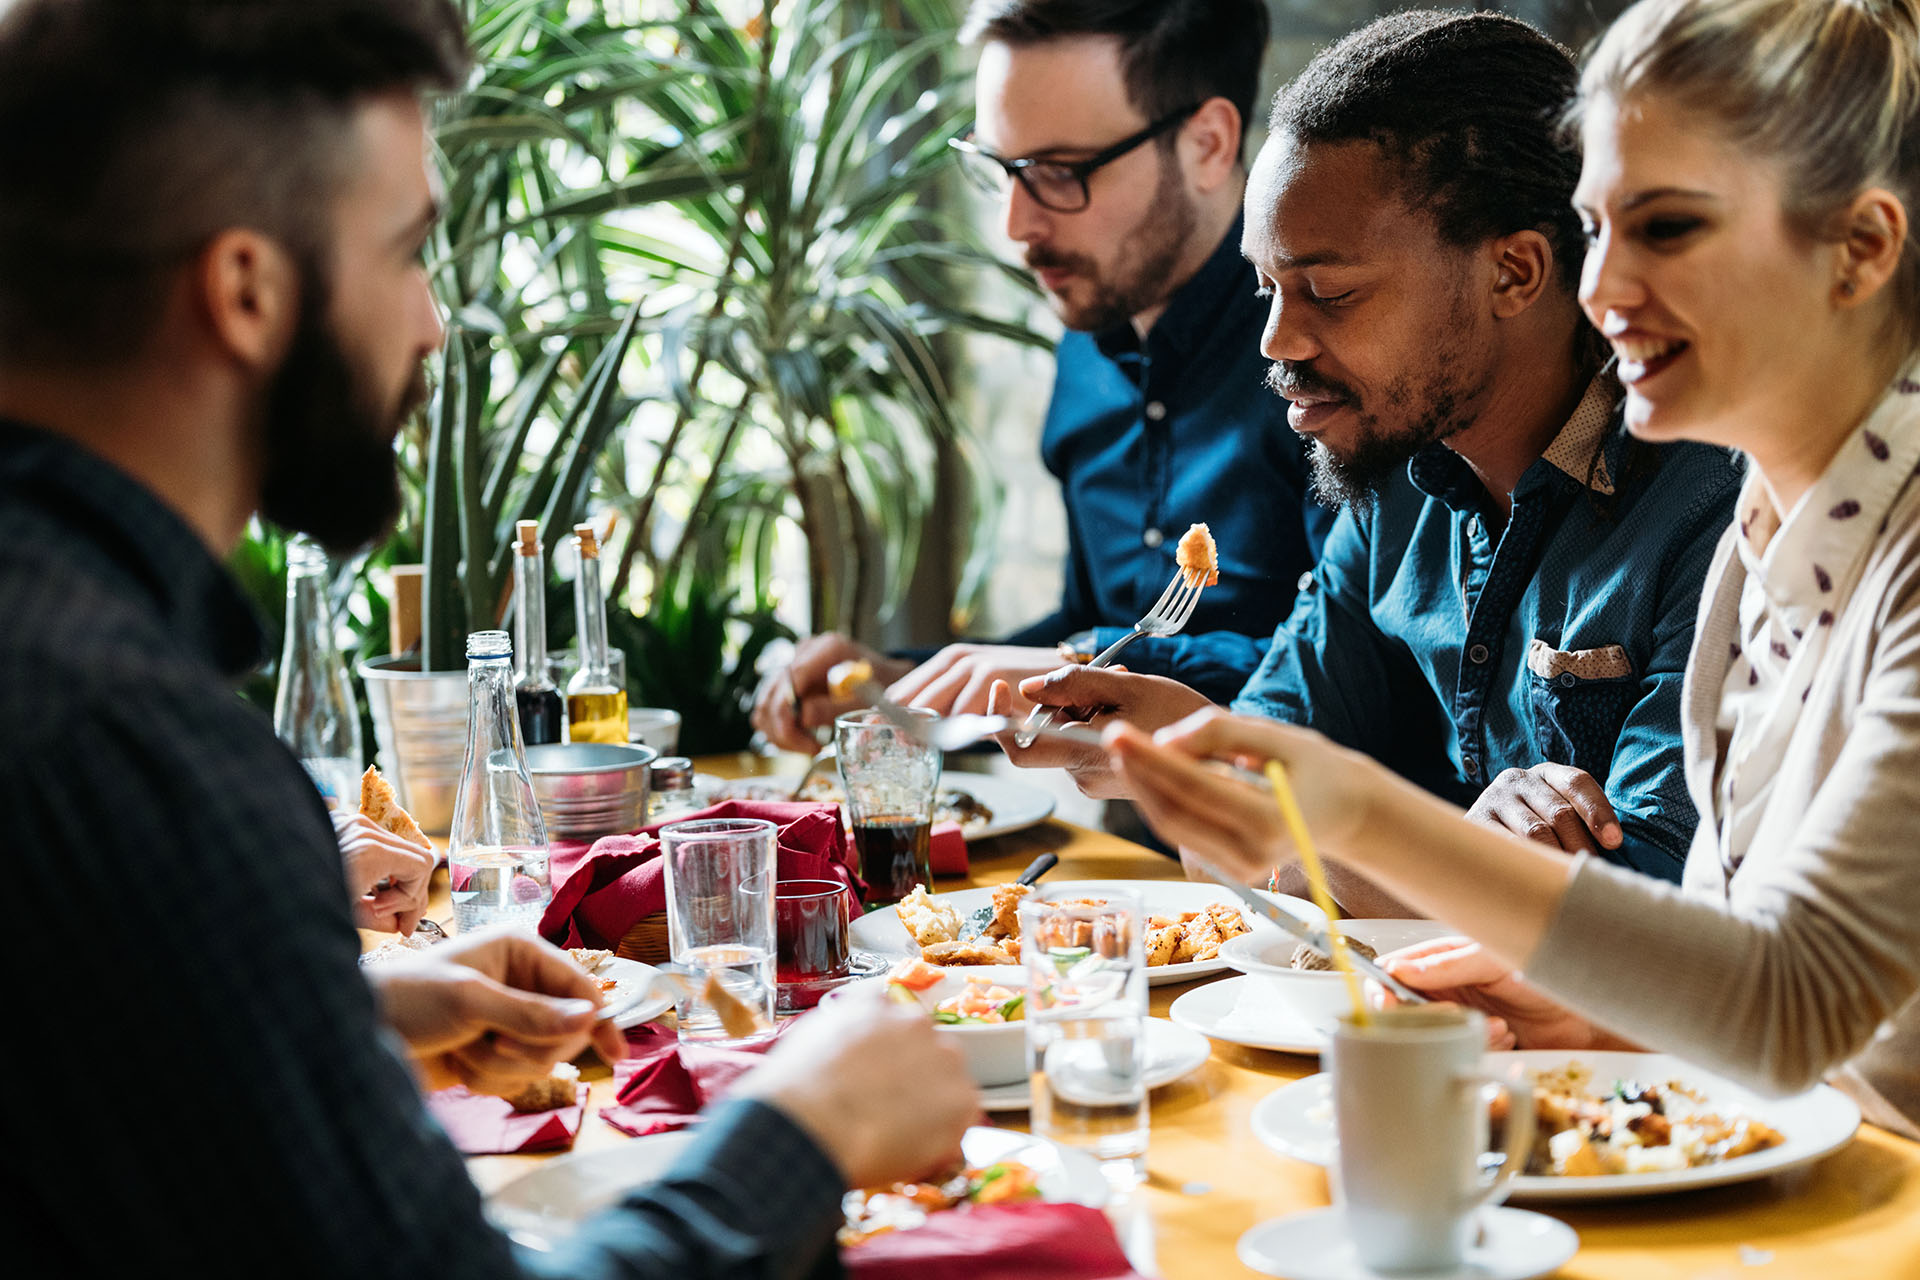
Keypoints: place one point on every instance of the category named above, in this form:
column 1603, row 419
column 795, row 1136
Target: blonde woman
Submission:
column 1750, row 168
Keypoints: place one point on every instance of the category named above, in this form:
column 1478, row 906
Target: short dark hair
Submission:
column 132, row 133
column 1468, row 106
column 1174, row 53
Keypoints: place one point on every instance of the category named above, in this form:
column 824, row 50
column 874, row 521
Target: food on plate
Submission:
column 980, row 951
column 845, row 678
column 902, row 1206
column 396, row 947
column 926, row 920
column 951, row 804
column 1193, row 935
column 982, row 1001
column 378, row 803
column 590, row 959
column 1631, row 1127
column 1006, row 911
column 558, row 1089
column 1197, row 556
column 1305, row 957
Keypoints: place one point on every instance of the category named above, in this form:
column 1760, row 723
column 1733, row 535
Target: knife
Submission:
column 1315, row 938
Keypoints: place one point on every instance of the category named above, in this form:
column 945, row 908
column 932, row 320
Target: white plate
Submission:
column 1172, row 1052
column 882, row 932
column 545, row 1205
column 1315, row 1245
column 627, row 976
column 1246, row 1010
column 1296, row 1120
column 1015, row 805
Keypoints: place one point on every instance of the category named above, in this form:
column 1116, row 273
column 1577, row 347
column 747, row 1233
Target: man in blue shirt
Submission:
column 1509, row 595
column 1113, row 134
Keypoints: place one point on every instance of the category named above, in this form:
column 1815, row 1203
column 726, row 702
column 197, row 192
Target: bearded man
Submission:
column 1504, row 607
column 1111, row 131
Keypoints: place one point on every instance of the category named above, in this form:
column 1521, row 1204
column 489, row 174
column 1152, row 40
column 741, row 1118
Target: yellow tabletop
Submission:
column 1856, row 1214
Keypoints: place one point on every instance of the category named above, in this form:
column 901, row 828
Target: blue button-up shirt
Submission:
column 1148, row 438
column 1451, row 649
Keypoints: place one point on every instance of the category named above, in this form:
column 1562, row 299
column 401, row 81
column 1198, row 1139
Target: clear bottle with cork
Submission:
column 314, row 711
column 596, row 705
column 542, row 714
column 497, row 850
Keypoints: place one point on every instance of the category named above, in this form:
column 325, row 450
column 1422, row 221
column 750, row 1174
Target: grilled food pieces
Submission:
column 1197, row 557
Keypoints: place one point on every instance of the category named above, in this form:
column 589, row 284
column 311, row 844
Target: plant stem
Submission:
column 672, row 564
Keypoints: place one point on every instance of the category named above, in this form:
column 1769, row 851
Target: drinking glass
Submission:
column 890, row 781
column 810, row 940
column 720, row 882
column 1087, row 1025
column 1415, row 1073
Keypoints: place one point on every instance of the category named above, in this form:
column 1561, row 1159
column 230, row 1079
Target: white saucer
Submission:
column 1245, row 1010
column 1172, row 1052
column 1517, row 1245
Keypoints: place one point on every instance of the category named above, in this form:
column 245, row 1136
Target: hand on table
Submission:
column 373, row 857
column 873, row 1085
column 1553, row 804
column 794, row 700
column 1094, row 697
column 1232, row 823
column 956, row 680
column 1519, row 1016
column 493, row 1011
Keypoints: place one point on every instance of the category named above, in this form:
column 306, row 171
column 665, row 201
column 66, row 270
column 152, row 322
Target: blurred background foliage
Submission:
column 700, row 273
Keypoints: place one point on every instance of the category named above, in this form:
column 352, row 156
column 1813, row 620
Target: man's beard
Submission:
column 1143, row 274
column 1434, row 404
column 329, row 468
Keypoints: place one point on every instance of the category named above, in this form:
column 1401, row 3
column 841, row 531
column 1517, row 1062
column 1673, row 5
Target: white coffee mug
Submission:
column 1411, row 1107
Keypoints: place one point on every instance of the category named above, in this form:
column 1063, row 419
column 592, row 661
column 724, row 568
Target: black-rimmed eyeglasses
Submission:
column 1059, row 185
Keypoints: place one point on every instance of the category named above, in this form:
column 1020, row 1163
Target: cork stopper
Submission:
column 528, row 541
column 588, row 541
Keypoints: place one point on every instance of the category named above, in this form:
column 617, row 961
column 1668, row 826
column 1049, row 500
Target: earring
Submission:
column 1846, row 288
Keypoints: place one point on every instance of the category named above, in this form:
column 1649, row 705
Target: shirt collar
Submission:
column 1807, row 562
column 1580, row 452
column 98, row 504
column 1191, row 313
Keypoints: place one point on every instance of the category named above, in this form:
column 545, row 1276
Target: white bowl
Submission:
column 995, row 1052
column 1319, row 996
column 657, row 727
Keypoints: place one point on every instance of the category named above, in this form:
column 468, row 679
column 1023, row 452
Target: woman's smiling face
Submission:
column 1713, row 301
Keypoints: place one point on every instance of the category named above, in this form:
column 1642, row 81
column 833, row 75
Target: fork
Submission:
column 1168, row 615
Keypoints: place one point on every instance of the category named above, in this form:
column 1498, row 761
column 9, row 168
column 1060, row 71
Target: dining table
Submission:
column 1854, row 1214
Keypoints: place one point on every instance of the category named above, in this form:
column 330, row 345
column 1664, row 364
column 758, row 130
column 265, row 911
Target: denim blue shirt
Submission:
column 1148, row 438
column 1451, row 649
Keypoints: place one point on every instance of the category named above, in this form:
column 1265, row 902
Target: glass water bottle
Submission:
column 596, row 706
column 314, row 712
column 497, row 851
column 542, row 715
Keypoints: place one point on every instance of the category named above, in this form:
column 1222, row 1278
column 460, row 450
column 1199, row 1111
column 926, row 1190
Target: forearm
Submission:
column 1215, row 663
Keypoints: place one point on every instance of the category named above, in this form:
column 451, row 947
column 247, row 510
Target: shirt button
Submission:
column 1470, row 766
column 1567, row 679
column 1153, row 538
column 1155, row 410
column 1305, row 583
column 1478, row 654
column 1473, row 526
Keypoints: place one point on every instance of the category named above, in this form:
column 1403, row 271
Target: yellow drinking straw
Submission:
column 1317, row 884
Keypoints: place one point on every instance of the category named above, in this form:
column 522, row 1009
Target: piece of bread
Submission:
column 1197, row 556
column 549, row 1092
column 378, row 803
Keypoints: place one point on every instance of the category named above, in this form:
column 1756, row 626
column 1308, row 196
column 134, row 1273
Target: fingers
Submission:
column 1445, row 963
column 936, row 670
column 775, row 711
column 1078, row 685
column 1222, row 820
column 1582, row 793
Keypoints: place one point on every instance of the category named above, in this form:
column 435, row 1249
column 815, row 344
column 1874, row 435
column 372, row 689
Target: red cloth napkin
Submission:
column 947, row 850
column 483, row 1125
column 603, row 890
column 663, row 1084
column 1029, row 1241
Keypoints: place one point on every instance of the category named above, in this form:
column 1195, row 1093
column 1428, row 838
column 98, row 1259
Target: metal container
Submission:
column 420, row 726
column 590, row 789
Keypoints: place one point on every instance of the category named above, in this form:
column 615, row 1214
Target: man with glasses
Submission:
column 1112, row 132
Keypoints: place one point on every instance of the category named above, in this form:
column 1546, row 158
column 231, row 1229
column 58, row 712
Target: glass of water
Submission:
column 720, row 885
column 1087, row 1023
